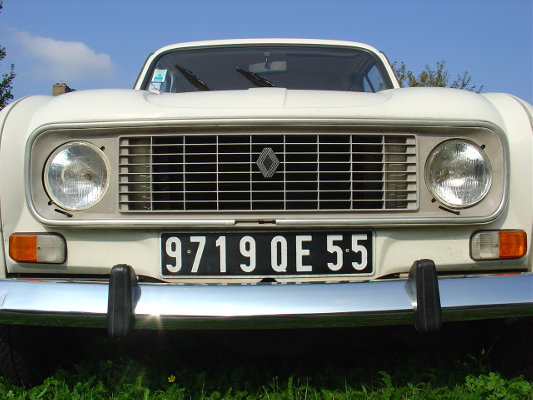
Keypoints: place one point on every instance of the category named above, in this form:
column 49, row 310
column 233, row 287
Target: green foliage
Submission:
column 6, row 81
column 60, row 387
column 493, row 387
column 437, row 77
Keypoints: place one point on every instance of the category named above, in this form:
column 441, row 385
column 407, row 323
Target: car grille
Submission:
column 267, row 172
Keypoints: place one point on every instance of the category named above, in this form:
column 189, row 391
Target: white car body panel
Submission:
column 94, row 249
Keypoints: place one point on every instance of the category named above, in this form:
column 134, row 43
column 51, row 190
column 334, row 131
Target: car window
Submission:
column 291, row 67
column 373, row 81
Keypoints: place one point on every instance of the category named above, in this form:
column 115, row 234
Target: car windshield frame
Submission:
column 289, row 66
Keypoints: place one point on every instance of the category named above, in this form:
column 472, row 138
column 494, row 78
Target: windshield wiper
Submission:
column 193, row 78
column 256, row 79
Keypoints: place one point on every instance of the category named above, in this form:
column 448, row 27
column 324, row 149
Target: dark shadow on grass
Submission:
column 329, row 359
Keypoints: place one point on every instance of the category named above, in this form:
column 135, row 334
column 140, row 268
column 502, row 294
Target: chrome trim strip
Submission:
column 263, row 306
column 330, row 222
column 382, row 222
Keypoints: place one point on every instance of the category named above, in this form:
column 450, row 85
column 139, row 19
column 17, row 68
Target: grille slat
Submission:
column 320, row 172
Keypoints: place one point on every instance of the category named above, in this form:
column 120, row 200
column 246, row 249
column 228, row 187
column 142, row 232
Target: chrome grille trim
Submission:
column 316, row 172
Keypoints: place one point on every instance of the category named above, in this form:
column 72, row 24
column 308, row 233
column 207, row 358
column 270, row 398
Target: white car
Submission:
column 273, row 183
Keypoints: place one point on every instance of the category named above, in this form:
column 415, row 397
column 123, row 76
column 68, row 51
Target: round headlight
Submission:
column 458, row 173
column 76, row 175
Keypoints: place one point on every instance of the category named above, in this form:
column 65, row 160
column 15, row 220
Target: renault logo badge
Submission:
column 267, row 162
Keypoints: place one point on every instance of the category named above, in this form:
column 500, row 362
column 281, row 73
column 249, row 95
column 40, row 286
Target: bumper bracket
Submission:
column 123, row 293
column 423, row 289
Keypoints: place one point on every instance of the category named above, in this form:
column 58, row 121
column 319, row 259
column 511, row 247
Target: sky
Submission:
column 103, row 44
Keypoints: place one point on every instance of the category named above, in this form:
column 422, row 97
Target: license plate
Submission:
column 266, row 254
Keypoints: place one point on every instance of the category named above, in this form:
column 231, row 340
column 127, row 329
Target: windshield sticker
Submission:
column 155, row 87
column 159, row 75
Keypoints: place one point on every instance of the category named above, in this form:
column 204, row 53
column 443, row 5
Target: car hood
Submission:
column 109, row 105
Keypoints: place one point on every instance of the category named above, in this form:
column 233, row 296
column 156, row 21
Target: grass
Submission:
column 388, row 363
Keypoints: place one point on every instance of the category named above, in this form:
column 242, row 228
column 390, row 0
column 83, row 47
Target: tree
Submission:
column 438, row 77
column 6, row 82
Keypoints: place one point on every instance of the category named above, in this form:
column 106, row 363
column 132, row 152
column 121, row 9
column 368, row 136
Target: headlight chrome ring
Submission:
column 458, row 173
column 76, row 175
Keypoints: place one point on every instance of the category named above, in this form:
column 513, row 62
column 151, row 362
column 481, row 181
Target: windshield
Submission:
column 290, row 67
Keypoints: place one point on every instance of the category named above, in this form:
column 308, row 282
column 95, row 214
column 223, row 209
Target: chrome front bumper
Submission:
column 171, row 306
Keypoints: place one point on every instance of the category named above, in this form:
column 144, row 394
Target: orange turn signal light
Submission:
column 513, row 244
column 37, row 248
column 23, row 248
